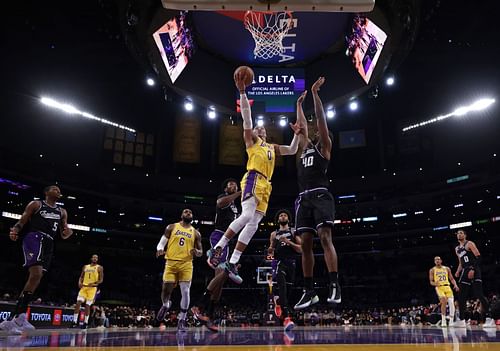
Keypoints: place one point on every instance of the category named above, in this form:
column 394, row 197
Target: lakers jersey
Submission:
column 180, row 243
column 261, row 158
column 91, row 274
column 441, row 276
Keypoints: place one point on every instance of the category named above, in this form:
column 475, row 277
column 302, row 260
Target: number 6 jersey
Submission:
column 312, row 168
column 180, row 243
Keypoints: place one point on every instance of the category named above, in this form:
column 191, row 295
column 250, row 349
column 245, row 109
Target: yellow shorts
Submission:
column 178, row 271
column 87, row 294
column 255, row 184
column 444, row 291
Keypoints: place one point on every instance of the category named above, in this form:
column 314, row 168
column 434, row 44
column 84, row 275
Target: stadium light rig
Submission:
column 458, row 112
column 70, row 109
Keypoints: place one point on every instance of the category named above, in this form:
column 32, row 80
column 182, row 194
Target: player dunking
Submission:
column 255, row 185
column 284, row 246
column 440, row 277
column 183, row 243
column 315, row 207
column 469, row 275
column 91, row 277
column 45, row 220
column 226, row 212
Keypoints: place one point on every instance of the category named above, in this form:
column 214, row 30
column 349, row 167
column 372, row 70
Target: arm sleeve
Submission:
column 292, row 149
column 161, row 243
column 246, row 112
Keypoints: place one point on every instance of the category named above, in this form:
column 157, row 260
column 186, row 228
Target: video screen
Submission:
column 364, row 46
column 275, row 90
column 175, row 41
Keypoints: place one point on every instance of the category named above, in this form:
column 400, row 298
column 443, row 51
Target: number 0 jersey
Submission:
column 311, row 170
column 180, row 243
column 261, row 158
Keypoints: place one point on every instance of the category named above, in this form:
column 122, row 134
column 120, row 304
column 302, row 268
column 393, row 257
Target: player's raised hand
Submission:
column 240, row 81
column 317, row 84
column 13, row 234
column 160, row 253
column 302, row 97
column 298, row 128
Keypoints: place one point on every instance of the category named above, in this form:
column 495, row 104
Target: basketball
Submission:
column 247, row 74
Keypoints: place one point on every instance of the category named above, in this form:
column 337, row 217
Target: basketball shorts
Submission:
column 286, row 267
column 87, row 294
column 314, row 209
column 255, row 184
column 214, row 239
column 178, row 271
column 38, row 249
column 444, row 291
column 464, row 276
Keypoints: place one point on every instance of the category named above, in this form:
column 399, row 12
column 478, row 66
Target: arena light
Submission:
column 74, row 111
column 458, row 205
column 353, row 106
column 207, row 222
column 11, row 215
column 283, row 121
column 59, row 203
column 399, row 215
column 390, row 81
column 82, row 228
column 71, row 197
column 101, row 211
column 370, row 219
column 188, row 105
column 330, row 113
column 260, row 121
column 461, row 225
column 443, row 227
column 211, row 112
column 150, row 82
column 158, row 219
column 346, row 197
column 419, row 212
column 458, row 112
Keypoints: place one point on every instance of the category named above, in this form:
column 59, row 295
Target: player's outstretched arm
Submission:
column 246, row 111
column 160, row 248
column 301, row 120
column 324, row 137
column 30, row 209
column 66, row 231
column 452, row 280
column 224, row 201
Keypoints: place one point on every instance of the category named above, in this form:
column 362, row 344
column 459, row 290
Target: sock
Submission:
column 182, row 314
column 334, row 277
column 443, row 317
column 87, row 319
column 235, row 257
column 75, row 318
column 222, row 242
column 308, row 283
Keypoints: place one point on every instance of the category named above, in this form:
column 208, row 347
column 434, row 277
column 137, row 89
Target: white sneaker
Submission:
column 459, row 324
column 10, row 327
column 23, row 323
column 443, row 323
column 489, row 323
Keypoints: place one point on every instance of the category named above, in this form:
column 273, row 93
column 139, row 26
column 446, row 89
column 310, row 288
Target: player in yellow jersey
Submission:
column 440, row 277
column 92, row 275
column 255, row 185
column 183, row 242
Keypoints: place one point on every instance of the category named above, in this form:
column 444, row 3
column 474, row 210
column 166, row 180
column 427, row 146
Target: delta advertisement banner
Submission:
column 42, row 316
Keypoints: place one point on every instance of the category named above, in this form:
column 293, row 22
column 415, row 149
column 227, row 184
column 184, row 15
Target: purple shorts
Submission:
column 214, row 239
column 37, row 248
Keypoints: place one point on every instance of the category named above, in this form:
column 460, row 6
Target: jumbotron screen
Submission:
column 275, row 90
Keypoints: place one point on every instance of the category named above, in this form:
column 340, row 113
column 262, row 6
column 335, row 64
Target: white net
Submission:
column 268, row 30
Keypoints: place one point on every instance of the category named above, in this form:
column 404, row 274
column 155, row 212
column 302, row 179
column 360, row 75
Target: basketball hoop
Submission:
column 268, row 30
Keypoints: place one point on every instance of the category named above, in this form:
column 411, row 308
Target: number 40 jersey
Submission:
column 312, row 168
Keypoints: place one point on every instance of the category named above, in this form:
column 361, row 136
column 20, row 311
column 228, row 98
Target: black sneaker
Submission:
column 308, row 298
column 334, row 293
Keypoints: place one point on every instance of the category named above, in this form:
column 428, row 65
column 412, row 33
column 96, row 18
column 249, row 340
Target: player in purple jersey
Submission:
column 40, row 223
column 226, row 212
